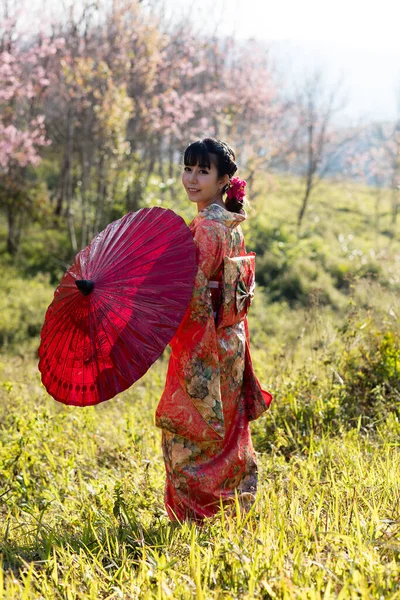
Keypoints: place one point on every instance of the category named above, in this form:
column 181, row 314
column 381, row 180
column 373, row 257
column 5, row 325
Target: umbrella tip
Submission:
column 85, row 286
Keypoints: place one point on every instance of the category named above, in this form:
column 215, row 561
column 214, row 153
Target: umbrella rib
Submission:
column 135, row 256
column 132, row 305
column 151, row 274
column 67, row 299
column 147, row 251
column 150, row 283
column 75, row 335
column 116, row 330
column 60, row 308
column 150, row 259
column 45, row 355
column 58, row 318
column 116, row 230
column 144, row 300
column 76, row 338
column 69, row 340
column 144, row 217
column 110, row 239
column 93, row 363
column 121, row 341
column 161, row 262
column 100, row 353
column 85, row 337
column 128, row 325
column 117, row 236
column 111, row 309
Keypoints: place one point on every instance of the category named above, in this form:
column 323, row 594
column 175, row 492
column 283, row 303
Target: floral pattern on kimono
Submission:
column 210, row 384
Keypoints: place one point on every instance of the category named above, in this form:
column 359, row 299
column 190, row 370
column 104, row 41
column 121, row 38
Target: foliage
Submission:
column 82, row 510
column 23, row 303
column 349, row 381
column 303, row 270
column 46, row 251
column 81, row 490
column 370, row 372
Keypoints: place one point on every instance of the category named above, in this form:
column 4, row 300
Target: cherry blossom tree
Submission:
column 253, row 111
column 23, row 83
column 119, row 99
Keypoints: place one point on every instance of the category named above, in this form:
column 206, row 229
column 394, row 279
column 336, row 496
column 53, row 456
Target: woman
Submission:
column 211, row 391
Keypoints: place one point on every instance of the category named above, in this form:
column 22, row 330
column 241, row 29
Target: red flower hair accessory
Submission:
column 236, row 189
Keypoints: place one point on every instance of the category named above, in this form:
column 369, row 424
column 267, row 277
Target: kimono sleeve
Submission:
column 211, row 246
column 257, row 400
column 191, row 403
column 210, row 241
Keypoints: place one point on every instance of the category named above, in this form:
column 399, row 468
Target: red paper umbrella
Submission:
column 117, row 307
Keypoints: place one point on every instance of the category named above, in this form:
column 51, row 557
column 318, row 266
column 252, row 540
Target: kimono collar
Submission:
column 215, row 212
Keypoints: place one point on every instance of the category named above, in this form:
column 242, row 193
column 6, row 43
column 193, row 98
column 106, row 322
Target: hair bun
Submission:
column 233, row 168
column 229, row 159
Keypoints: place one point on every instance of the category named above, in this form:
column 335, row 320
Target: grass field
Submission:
column 82, row 512
column 81, row 490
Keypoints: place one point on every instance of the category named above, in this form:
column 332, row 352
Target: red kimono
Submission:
column 211, row 391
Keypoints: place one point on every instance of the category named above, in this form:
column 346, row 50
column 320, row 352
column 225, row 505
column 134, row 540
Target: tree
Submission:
column 254, row 110
column 23, row 83
column 388, row 137
column 319, row 141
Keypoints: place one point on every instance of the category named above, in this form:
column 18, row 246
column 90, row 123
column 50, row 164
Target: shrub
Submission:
column 351, row 383
column 370, row 370
column 23, row 303
column 44, row 251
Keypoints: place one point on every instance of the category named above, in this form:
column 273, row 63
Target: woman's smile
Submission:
column 202, row 184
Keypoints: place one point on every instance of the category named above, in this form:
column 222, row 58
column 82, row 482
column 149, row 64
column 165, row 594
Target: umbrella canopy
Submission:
column 117, row 307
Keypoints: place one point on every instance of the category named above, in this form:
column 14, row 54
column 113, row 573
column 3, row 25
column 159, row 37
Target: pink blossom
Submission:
column 21, row 147
column 236, row 189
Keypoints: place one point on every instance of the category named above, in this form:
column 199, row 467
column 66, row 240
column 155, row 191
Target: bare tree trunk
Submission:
column 317, row 105
column 70, row 219
column 158, row 152
column 378, row 198
column 396, row 176
column 85, row 169
column 66, row 170
column 305, row 201
column 100, row 196
column 12, row 243
column 171, row 159
column 150, row 169
column 310, row 171
column 72, row 233
column 15, row 222
column 131, row 200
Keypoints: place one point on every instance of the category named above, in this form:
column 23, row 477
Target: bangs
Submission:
column 197, row 154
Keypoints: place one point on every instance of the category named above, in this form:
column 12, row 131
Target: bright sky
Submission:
column 370, row 24
column 359, row 39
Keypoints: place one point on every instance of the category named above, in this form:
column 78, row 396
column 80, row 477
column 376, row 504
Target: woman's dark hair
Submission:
column 198, row 153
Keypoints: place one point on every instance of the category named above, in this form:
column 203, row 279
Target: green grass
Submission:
column 81, row 490
column 82, row 512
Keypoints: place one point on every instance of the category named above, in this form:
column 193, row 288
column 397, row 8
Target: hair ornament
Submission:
column 236, row 189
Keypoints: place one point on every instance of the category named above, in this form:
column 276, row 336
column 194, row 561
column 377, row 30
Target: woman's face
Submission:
column 202, row 185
